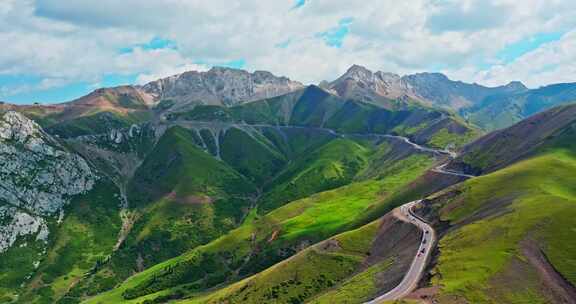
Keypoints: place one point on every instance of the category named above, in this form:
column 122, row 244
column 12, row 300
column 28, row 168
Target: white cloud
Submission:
column 169, row 71
column 80, row 40
column 553, row 62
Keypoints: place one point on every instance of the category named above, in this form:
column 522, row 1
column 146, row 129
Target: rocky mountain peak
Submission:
column 357, row 73
column 360, row 83
column 221, row 86
column 516, row 85
column 362, row 74
column 386, row 76
column 17, row 127
column 434, row 89
column 427, row 76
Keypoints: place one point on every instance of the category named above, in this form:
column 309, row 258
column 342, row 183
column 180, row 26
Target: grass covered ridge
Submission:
column 330, row 166
column 308, row 273
column 182, row 197
column 263, row 240
column 83, row 240
column 532, row 200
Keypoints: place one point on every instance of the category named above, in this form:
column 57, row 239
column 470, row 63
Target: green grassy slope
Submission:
column 265, row 240
column 181, row 197
column 17, row 265
column 330, row 166
column 83, row 239
column 351, row 267
column 357, row 288
column 483, row 260
column 284, row 163
column 294, row 142
column 177, row 166
column 311, row 271
column 252, row 155
column 161, row 223
column 94, row 113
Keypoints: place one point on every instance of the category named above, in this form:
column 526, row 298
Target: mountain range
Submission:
column 488, row 108
column 227, row 186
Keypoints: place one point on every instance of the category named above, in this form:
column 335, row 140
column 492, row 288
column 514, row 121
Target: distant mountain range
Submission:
column 430, row 88
column 489, row 108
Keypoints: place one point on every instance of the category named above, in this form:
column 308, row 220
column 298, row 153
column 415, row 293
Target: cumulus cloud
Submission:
column 66, row 41
column 551, row 63
column 169, row 70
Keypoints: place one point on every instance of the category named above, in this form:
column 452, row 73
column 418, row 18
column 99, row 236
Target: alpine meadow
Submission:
column 151, row 152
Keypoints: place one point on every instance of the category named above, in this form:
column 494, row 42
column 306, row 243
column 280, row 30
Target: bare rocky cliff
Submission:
column 220, row 86
column 38, row 177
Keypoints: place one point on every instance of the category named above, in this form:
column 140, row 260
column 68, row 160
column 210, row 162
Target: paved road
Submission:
column 412, row 277
column 404, row 212
column 422, row 148
column 440, row 169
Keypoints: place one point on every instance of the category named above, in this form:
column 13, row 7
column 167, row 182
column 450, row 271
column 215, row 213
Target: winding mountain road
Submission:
column 440, row 169
column 404, row 213
column 412, row 277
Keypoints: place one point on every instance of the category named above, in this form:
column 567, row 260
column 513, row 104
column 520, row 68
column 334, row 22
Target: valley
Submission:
column 268, row 191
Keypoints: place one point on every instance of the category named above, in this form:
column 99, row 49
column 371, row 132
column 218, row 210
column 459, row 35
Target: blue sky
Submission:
column 334, row 37
column 155, row 43
column 299, row 3
column 57, row 50
column 523, row 46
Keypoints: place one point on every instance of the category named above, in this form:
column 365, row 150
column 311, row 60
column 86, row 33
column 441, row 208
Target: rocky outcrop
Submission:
column 362, row 84
column 220, row 86
column 37, row 178
column 18, row 223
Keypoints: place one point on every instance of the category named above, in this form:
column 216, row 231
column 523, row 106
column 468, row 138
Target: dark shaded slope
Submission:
column 315, row 108
column 553, row 128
